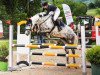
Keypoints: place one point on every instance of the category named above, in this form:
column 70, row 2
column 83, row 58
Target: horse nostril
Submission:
column 35, row 24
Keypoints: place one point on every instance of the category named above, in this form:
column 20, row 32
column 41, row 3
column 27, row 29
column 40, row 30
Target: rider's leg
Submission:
column 56, row 15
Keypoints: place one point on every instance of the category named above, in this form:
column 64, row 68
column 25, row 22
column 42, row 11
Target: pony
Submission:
column 45, row 24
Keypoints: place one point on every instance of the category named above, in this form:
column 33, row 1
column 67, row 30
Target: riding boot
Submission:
column 58, row 25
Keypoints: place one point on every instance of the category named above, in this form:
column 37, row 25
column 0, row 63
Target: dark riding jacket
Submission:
column 49, row 9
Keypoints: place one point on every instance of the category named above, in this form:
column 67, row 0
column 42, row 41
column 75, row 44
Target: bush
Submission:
column 93, row 55
column 3, row 52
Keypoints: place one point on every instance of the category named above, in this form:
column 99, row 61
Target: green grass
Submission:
column 93, row 12
column 6, row 41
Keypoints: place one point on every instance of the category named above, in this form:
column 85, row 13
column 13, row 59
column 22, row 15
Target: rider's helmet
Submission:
column 44, row 3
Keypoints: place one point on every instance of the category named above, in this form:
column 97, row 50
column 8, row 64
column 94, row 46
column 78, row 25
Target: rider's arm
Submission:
column 50, row 8
column 43, row 9
column 46, row 13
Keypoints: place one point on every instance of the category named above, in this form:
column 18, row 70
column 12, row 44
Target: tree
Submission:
column 29, row 7
column 35, row 7
column 91, row 6
column 17, row 10
column 80, row 9
column 76, row 8
column 97, row 3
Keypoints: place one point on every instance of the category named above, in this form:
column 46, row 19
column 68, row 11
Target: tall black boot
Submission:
column 58, row 25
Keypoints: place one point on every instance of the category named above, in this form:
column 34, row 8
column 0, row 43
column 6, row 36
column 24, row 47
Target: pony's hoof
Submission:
column 68, row 67
column 76, row 67
column 74, row 62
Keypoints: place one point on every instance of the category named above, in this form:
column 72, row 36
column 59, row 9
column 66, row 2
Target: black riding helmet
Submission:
column 44, row 3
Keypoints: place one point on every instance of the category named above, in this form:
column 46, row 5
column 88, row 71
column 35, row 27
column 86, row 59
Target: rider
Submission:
column 52, row 8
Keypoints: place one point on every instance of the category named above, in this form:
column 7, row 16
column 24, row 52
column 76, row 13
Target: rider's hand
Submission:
column 40, row 15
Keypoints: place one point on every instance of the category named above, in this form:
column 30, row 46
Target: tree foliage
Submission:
column 91, row 6
column 97, row 3
column 77, row 9
column 17, row 10
column 21, row 9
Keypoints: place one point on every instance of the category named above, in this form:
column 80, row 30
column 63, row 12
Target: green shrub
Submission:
column 3, row 52
column 93, row 55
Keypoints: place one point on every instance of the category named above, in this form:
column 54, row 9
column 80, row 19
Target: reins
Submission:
column 45, row 20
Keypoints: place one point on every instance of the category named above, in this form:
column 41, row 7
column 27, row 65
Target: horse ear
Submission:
column 29, row 20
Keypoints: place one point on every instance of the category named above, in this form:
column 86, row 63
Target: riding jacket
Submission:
column 49, row 9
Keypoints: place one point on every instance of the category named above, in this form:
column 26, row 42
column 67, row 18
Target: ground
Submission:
column 48, row 70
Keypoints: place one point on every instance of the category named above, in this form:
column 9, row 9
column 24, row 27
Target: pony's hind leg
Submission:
column 67, row 58
column 64, row 40
column 71, row 40
column 73, row 52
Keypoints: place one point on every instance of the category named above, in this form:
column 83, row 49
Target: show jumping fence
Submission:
column 23, row 47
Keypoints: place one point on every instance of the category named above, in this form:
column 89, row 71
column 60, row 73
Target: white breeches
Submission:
column 56, row 14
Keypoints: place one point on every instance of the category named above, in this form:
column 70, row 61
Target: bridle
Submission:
column 44, row 20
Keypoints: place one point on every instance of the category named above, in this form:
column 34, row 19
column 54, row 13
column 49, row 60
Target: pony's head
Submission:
column 36, row 18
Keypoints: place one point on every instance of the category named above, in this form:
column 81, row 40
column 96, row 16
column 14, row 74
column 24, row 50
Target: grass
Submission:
column 93, row 12
column 6, row 41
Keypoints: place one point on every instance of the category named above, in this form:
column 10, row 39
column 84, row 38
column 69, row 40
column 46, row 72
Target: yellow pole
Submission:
column 33, row 46
column 49, row 63
column 57, row 47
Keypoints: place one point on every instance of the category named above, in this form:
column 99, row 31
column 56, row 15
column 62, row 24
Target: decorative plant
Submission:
column 93, row 55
